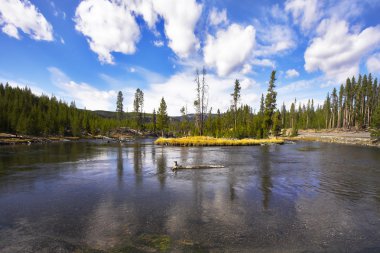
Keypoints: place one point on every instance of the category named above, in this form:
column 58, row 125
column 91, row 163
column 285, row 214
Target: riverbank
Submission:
column 362, row 138
column 11, row 139
column 210, row 141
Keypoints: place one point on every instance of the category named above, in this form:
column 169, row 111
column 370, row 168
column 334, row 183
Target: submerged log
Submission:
column 199, row 166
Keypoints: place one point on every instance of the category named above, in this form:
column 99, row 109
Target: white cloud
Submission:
column 148, row 75
column 11, row 31
column 275, row 39
column 180, row 17
column 108, row 26
column 300, row 85
column 230, row 48
column 373, row 63
column 278, row 14
column 84, row 95
column 304, row 12
column 247, row 68
column 158, row 43
column 292, row 73
column 264, row 63
column 22, row 84
column 302, row 90
column 349, row 9
column 217, row 18
column 144, row 8
column 337, row 52
column 179, row 90
column 21, row 15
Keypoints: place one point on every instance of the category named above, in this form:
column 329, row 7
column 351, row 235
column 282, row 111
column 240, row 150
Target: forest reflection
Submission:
column 265, row 176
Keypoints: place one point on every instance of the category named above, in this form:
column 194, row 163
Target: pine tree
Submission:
column 327, row 109
column 293, row 118
column 235, row 100
column 262, row 106
column 154, row 121
column 340, row 105
column 270, row 104
column 119, row 105
column 138, row 104
column 184, row 120
column 334, row 107
column 162, row 117
column 283, row 114
column 276, row 123
column 218, row 124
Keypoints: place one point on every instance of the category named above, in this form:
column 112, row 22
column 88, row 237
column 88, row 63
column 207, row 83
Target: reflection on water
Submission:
column 120, row 164
column 266, row 178
column 124, row 198
column 161, row 167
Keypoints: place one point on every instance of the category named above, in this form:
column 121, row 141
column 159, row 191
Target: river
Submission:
column 98, row 197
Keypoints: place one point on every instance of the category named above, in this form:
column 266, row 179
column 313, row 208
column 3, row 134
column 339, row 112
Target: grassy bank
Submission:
column 210, row 141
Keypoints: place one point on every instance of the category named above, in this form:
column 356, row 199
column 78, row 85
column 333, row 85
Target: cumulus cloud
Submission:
column 304, row 12
column 108, row 26
column 275, row 39
column 302, row 90
column 247, row 68
column 217, row 18
column 230, row 48
column 337, row 52
column 373, row 63
column 84, row 95
column 292, row 73
column 22, row 84
column 11, row 31
column 21, row 15
column 144, row 8
column 264, row 63
column 180, row 18
column 179, row 90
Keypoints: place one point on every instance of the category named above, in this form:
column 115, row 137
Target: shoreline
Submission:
column 359, row 138
column 11, row 139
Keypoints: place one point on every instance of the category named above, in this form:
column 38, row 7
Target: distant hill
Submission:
column 112, row 115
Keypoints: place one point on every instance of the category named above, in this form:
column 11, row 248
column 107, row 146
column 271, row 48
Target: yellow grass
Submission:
column 210, row 141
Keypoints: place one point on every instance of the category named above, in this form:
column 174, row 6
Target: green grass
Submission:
column 161, row 243
column 210, row 141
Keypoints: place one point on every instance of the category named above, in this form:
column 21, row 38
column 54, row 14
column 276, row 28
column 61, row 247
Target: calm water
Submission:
column 84, row 197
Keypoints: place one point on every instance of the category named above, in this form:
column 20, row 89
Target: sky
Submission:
column 86, row 51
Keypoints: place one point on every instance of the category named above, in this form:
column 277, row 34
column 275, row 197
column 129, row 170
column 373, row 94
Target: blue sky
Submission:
column 89, row 50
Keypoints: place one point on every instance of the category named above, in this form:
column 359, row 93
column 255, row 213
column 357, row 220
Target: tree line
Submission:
column 22, row 112
column 355, row 106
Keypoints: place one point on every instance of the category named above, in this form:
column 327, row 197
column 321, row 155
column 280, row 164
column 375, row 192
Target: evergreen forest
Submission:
column 354, row 106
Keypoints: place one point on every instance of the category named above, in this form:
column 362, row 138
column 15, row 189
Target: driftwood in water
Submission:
column 199, row 166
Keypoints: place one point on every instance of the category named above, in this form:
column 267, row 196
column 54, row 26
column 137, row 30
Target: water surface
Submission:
column 86, row 197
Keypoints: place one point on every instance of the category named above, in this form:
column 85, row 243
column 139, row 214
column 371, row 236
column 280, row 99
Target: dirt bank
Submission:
column 12, row 139
column 337, row 136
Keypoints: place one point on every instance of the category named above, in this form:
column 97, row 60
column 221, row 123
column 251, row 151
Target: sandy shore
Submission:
column 337, row 136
